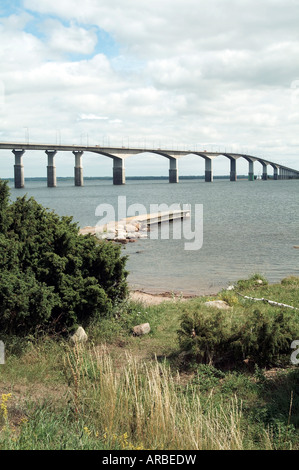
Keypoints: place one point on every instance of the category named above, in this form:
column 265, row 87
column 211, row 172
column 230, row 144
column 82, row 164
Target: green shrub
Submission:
column 207, row 377
column 253, row 281
column 263, row 336
column 206, row 335
column 266, row 338
column 229, row 297
column 50, row 275
column 290, row 281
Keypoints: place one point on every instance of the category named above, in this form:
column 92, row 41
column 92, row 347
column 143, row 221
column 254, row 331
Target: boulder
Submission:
column 110, row 236
column 142, row 329
column 121, row 235
column 131, row 228
column 131, row 235
column 142, row 235
column 218, row 304
column 80, row 336
column 110, row 227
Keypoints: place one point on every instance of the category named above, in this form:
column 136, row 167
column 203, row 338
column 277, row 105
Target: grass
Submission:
column 120, row 392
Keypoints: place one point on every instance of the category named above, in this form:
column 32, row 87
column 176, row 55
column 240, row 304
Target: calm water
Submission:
column 248, row 227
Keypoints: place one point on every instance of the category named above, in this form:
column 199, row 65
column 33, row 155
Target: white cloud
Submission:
column 92, row 117
column 211, row 73
column 72, row 39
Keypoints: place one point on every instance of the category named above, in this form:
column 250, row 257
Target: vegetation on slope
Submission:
column 123, row 392
column 203, row 378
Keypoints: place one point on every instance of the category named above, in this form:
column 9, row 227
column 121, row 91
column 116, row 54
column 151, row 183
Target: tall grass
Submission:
column 58, row 396
column 145, row 405
column 148, row 404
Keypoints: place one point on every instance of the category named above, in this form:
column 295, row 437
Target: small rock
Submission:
column 80, row 336
column 230, row 288
column 143, row 329
column 218, row 304
column 259, row 281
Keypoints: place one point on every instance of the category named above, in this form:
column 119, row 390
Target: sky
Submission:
column 217, row 75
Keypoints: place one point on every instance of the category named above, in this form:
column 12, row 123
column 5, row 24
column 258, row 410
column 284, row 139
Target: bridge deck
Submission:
column 119, row 155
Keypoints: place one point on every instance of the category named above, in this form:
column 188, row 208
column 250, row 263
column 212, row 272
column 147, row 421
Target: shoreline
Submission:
column 154, row 298
column 159, row 294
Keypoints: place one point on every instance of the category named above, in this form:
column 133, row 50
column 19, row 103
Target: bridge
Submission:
column 119, row 155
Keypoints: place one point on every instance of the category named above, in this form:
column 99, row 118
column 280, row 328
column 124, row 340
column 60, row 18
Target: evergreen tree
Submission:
column 50, row 276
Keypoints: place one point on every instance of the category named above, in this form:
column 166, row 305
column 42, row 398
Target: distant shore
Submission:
column 130, row 178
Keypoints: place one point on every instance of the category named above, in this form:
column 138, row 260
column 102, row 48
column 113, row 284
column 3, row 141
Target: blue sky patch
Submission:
column 105, row 45
column 8, row 7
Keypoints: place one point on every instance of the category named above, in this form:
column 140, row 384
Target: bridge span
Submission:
column 119, row 155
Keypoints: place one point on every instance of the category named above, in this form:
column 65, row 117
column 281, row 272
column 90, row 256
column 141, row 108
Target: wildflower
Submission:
column 87, row 431
column 23, row 421
column 4, row 399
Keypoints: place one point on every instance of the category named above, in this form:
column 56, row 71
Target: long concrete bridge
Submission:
column 119, row 155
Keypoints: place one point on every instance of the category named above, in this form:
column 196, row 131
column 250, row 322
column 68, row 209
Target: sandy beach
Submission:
column 155, row 299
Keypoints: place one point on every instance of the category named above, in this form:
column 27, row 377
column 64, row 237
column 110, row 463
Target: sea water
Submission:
column 248, row 227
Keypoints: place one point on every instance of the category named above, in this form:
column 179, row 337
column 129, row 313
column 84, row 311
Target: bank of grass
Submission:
column 125, row 392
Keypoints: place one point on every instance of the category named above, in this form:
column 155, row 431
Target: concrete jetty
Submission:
column 132, row 228
column 159, row 217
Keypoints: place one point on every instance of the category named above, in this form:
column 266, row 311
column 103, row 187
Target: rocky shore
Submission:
column 122, row 231
column 133, row 228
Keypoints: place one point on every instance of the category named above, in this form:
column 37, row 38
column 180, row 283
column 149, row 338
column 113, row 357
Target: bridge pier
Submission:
column 233, row 172
column 173, row 171
column 275, row 173
column 78, row 168
column 119, row 176
column 208, row 170
column 51, row 169
column 19, row 169
column 265, row 174
column 250, row 171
